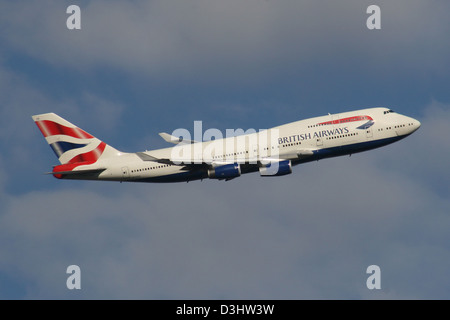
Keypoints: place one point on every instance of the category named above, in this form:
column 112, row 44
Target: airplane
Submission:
column 272, row 152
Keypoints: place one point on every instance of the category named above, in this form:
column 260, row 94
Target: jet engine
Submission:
column 227, row 172
column 276, row 168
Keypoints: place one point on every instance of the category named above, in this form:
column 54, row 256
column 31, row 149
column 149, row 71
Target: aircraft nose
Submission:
column 417, row 124
column 408, row 125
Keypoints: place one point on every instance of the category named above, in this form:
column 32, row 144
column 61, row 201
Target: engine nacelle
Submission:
column 227, row 171
column 276, row 168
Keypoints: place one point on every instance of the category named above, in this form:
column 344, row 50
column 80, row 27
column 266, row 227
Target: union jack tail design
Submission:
column 72, row 145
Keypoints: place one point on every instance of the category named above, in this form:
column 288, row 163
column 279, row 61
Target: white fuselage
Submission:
column 301, row 141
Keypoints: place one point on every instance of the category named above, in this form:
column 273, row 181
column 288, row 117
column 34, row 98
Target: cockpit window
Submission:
column 389, row 111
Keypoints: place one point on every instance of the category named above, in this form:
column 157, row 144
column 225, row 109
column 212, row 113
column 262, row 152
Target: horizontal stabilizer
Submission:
column 78, row 172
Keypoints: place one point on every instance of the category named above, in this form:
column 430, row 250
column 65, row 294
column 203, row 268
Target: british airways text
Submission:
column 313, row 135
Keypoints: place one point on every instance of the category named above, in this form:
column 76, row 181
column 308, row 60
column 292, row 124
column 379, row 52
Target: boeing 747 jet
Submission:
column 271, row 152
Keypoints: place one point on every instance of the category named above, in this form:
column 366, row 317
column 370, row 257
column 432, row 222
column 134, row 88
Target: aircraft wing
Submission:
column 186, row 165
column 146, row 157
column 300, row 154
column 175, row 140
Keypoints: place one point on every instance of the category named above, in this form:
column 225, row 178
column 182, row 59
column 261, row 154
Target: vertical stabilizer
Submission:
column 72, row 145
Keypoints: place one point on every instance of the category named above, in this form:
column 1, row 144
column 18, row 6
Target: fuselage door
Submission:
column 125, row 173
column 319, row 141
column 254, row 151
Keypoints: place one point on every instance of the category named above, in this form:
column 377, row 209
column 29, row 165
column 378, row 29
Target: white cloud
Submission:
column 240, row 41
column 308, row 235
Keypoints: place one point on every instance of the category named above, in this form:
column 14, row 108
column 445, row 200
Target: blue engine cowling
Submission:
column 276, row 168
column 228, row 171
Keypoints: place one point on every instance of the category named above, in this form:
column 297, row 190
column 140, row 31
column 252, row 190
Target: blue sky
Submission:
column 137, row 68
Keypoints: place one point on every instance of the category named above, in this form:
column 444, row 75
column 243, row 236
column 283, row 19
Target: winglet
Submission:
column 175, row 140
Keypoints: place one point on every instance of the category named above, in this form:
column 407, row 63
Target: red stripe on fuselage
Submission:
column 51, row 128
column 346, row 120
